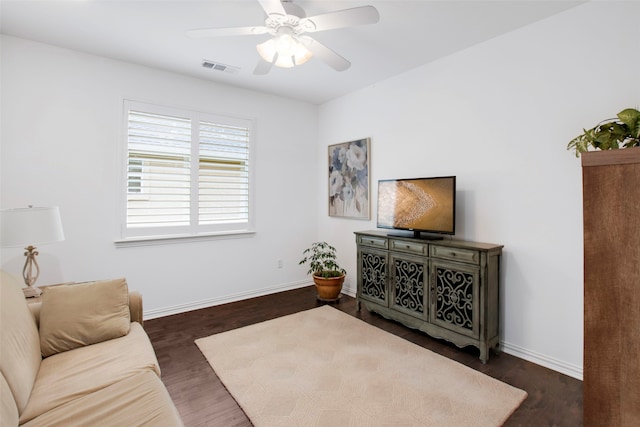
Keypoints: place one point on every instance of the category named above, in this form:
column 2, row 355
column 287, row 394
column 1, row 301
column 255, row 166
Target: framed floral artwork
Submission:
column 349, row 194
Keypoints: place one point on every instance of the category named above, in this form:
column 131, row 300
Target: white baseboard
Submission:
column 561, row 366
column 348, row 291
column 196, row 305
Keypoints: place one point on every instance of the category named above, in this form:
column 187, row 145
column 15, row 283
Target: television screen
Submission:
column 418, row 204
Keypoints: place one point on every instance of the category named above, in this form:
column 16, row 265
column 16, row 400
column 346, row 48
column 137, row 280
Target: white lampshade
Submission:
column 30, row 226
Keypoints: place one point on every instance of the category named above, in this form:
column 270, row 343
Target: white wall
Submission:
column 61, row 131
column 499, row 116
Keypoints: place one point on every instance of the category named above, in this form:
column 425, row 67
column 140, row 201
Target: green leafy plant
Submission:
column 321, row 258
column 610, row 134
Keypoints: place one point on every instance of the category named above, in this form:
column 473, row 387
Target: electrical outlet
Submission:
column 280, row 263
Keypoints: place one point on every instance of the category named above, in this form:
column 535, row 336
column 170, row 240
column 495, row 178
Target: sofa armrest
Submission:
column 135, row 308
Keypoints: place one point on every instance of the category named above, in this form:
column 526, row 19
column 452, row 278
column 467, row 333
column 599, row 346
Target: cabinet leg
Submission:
column 484, row 353
column 357, row 305
column 485, row 350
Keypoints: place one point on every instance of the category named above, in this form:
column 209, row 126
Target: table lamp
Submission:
column 27, row 227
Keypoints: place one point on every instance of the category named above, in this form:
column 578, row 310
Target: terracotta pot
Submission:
column 328, row 289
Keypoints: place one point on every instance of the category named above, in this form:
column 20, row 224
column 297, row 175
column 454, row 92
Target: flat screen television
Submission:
column 421, row 205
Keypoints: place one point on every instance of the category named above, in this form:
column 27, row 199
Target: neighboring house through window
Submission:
column 187, row 173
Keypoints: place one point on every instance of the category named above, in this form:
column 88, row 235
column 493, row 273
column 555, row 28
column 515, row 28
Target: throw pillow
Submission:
column 77, row 315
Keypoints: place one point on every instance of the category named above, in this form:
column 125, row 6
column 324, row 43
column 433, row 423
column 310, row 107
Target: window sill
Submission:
column 181, row 238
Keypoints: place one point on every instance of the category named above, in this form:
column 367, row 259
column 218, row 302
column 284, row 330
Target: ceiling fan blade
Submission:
column 327, row 55
column 237, row 31
column 343, row 18
column 263, row 67
column 272, row 6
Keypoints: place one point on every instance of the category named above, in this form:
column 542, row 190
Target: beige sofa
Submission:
column 80, row 357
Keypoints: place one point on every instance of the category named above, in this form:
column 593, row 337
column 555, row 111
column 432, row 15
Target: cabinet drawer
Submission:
column 409, row 247
column 376, row 242
column 455, row 254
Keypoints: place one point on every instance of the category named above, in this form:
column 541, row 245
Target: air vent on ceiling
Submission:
column 217, row 66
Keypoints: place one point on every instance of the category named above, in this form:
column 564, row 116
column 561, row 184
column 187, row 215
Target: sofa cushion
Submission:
column 69, row 375
column 8, row 408
column 20, row 344
column 73, row 316
column 135, row 308
column 140, row 400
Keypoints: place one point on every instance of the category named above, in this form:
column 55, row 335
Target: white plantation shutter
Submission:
column 223, row 183
column 186, row 173
column 159, row 152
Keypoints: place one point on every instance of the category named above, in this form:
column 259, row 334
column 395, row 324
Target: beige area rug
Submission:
column 323, row 367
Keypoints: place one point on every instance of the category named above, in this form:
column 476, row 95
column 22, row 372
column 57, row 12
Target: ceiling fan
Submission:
column 288, row 24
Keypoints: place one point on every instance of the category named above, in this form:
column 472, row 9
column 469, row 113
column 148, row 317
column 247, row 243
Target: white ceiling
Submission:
column 152, row 33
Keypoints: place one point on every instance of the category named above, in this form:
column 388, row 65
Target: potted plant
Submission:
column 327, row 275
column 610, row 134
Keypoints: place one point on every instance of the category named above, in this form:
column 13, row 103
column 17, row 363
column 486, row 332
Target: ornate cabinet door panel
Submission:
column 408, row 285
column 373, row 272
column 455, row 299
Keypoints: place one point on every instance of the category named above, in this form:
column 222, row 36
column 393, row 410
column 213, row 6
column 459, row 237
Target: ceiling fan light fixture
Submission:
column 288, row 24
column 290, row 52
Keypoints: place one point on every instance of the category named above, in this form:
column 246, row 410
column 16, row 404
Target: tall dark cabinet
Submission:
column 611, row 205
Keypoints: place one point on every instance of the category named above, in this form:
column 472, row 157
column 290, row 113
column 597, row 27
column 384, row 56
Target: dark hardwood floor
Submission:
column 554, row 399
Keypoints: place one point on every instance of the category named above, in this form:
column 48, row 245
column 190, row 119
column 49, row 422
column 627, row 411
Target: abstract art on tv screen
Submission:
column 349, row 194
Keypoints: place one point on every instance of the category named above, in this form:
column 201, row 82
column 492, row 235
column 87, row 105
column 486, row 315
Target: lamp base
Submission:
column 31, row 292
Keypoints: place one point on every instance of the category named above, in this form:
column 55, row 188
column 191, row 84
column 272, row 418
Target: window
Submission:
column 134, row 178
column 187, row 173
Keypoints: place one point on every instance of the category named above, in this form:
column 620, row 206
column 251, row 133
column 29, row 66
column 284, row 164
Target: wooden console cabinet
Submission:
column 446, row 288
